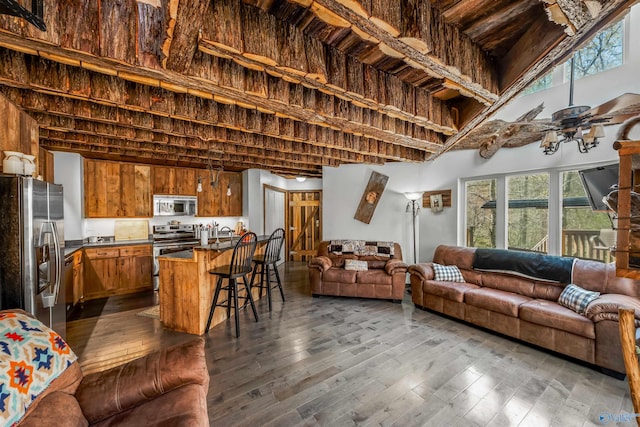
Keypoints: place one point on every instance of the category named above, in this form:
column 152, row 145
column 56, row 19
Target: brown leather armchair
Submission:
column 168, row 387
column 385, row 277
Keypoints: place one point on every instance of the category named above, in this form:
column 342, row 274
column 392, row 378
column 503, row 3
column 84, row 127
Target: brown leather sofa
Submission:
column 384, row 279
column 527, row 309
column 165, row 388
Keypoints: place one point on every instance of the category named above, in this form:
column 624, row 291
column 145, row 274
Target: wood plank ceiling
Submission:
column 288, row 86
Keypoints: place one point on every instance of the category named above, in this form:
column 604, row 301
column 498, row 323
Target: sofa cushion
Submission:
column 447, row 273
column 183, row 407
column 496, row 300
column 376, row 264
column 576, row 298
column 553, row 315
column 32, row 358
column 374, row 277
column 449, row 290
column 339, row 275
column 355, row 265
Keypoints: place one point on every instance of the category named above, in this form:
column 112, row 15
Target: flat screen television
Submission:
column 597, row 183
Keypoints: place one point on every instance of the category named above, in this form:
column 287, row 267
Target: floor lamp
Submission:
column 414, row 207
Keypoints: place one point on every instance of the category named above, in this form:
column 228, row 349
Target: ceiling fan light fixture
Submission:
column 597, row 131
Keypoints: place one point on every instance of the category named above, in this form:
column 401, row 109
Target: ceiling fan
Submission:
column 570, row 123
column 567, row 124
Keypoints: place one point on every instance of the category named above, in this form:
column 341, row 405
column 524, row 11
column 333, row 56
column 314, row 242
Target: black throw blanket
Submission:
column 530, row 264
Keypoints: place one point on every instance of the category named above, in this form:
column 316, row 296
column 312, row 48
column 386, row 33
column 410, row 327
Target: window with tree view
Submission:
column 602, row 53
column 585, row 233
column 528, row 214
column 542, row 83
column 481, row 213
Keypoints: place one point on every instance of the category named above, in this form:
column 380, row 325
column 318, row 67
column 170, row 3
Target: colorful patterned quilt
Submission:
column 31, row 357
column 361, row 248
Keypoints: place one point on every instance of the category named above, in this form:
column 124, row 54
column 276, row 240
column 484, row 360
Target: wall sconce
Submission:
column 301, row 178
column 199, row 187
column 228, row 189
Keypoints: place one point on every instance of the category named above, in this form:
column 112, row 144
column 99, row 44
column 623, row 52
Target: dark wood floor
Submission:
column 340, row 361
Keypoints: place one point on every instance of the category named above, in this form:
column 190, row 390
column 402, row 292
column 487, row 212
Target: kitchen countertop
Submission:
column 69, row 249
column 218, row 247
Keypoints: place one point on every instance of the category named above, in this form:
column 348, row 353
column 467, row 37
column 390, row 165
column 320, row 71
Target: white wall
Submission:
column 68, row 172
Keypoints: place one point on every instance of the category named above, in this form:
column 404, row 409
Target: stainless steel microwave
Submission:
column 174, row 205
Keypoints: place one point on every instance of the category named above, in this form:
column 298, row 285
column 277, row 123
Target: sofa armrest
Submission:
column 322, row 263
column 606, row 307
column 104, row 394
column 395, row 266
column 423, row 270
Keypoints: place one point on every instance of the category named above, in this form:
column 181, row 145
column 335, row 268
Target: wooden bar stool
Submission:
column 239, row 267
column 269, row 261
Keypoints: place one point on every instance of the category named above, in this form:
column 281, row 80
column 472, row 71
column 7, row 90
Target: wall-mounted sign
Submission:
column 370, row 197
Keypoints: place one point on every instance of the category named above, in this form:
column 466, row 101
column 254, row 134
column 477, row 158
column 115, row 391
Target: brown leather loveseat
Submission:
column 383, row 278
column 526, row 308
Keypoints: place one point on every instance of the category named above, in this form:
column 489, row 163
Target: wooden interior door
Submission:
column 304, row 221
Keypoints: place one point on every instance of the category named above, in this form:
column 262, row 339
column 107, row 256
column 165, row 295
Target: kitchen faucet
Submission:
column 227, row 228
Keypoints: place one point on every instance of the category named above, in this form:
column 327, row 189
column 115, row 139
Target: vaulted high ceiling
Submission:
column 288, row 86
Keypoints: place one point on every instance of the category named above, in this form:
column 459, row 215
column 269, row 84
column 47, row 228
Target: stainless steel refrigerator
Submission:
column 31, row 249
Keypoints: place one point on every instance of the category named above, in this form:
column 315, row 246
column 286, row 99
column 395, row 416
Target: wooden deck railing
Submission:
column 584, row 244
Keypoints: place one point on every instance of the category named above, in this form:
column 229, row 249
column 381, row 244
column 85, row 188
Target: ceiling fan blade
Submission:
column 627, row 103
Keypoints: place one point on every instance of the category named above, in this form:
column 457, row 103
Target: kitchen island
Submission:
column 186, row 287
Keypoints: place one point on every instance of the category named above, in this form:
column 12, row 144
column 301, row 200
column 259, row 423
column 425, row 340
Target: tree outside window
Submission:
column 481, row 218
column 602, row 53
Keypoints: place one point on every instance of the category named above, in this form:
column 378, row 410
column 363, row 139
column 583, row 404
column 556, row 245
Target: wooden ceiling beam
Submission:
column 416, row 33
column 54, row 138
column 220, row 142
column 95, row 96
column 226, row 82
column 297, row 58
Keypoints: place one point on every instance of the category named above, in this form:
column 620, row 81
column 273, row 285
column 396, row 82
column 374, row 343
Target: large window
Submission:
column 481, row 213
column 528, row 214
column 542, row 83
column 546, row 212
column 585, row 233
column 602, row 53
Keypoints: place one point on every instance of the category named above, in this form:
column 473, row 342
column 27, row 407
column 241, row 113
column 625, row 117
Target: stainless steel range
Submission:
column 168, row 239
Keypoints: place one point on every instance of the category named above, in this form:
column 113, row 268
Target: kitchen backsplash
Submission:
column 106, row 226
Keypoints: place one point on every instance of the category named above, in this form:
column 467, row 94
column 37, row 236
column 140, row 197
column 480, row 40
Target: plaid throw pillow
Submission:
column 576, row 298
column 447, row 273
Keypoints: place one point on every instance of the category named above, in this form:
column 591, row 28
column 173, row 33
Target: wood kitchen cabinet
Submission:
column 113, row 189
column 117, row 270
column 45, row 165
column 175, row 181
column 215, row 202
column 78, row 279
